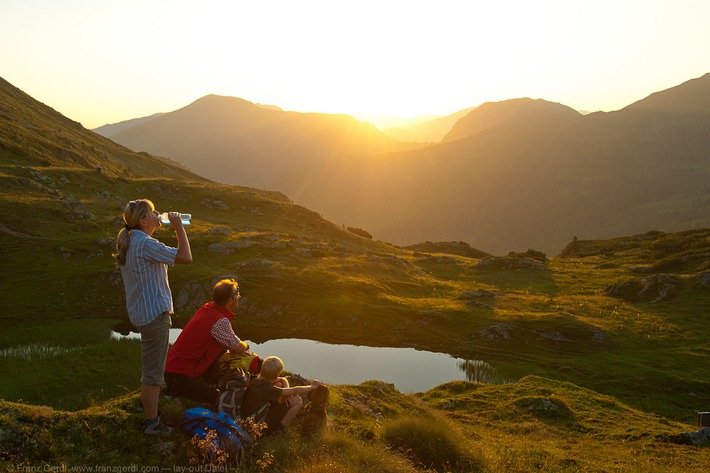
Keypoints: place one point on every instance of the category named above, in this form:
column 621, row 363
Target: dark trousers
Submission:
column 197, row 388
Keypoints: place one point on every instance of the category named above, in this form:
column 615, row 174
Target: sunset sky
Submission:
column 104, row 61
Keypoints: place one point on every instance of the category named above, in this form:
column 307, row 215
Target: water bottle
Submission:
column 186, row 218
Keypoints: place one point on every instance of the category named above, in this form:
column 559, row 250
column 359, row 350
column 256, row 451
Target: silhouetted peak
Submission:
column 692, row 96
column 491, row 114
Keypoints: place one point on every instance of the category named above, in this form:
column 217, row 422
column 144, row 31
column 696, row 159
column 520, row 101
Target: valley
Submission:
column 606, row 338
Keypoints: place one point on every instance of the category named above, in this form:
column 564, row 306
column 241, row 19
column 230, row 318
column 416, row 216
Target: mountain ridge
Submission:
column 535, row 318
column 236, row 137
column 491, row 114
column 510, row 170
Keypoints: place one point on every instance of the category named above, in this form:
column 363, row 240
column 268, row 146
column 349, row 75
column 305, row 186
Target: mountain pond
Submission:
column 408, row 369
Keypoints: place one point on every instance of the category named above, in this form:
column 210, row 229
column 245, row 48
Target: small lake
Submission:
column 408, row 369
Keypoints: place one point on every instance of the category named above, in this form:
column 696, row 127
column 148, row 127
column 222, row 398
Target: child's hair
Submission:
column 271, row 368
column 135, row 210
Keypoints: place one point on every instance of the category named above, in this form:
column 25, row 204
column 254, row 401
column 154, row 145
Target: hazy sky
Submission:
column 104, row 61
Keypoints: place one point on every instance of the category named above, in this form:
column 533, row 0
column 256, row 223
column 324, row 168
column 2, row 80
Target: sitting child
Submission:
column 270, row 391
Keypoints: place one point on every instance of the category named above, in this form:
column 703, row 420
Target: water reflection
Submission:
column 479, row 371
column 408, row 369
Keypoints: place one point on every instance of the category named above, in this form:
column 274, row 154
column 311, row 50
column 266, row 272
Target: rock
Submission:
column 497, row 332
column 219, row 248
column 510, row 262
column 478, row 293
column 555, row 336
column 653, row 289
column 215, row 204
column 703, row 279
column 628, row 289
column 105, row 241
column 479, row 298
column 255, row 263
column 219, row 231
column 698, row 437
column 228, row 247
column 440, row 259
column 191, row 296
column 239, row 245
column 115, row 279
column 76, row 209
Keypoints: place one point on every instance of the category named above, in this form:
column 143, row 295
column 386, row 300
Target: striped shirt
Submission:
column 145, row 278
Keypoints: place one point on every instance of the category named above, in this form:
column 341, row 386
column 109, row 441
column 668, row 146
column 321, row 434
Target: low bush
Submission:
column 430, row 443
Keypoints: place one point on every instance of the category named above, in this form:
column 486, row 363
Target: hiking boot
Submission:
column 275, row 431
column 157, row 428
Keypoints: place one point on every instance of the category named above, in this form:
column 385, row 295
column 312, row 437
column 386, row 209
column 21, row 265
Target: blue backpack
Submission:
column 229, row 437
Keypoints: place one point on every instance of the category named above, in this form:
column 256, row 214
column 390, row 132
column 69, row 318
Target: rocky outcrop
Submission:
column 510, row 262
column 496, row 332
column 697, row 438
column 703, row 279
column 652, row 289
column 479, row 298
column 227, row 248
column 191, row 296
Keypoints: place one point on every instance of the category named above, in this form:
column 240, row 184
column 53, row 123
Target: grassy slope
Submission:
column 305, row 277
column 536, row 424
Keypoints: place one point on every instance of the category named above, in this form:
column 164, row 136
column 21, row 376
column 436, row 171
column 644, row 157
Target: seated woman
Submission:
column 205, row 337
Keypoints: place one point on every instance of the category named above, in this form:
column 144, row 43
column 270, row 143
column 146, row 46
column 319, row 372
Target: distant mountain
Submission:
column 111, row 129
column 508, row 176
column 492, row 114
column 540, row 174
column 239, row 142
column 428, row 131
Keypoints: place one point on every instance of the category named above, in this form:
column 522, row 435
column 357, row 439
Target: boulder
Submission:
column 479, row 298
column 496, row 332
column 697, row 438
column 703, row 279
column 652, row 289
column 510, row 262
column 228, row 247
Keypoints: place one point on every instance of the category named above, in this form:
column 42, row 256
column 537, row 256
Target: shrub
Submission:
column 532, row 254
column 430, row 443
column 360, row 232
column 552, row 408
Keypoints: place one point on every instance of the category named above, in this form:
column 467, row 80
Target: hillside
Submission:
column 32, row 134
column 509, row 176
column 613, row 328
column 534, row 425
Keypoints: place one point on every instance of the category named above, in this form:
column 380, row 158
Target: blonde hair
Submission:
column 133, row 213
column 271, row 368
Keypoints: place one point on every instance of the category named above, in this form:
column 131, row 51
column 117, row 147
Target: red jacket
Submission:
column 195, row 349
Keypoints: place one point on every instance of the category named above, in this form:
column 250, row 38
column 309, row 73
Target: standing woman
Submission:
column 143, row 262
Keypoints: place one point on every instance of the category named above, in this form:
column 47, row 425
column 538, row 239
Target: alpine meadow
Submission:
column 593, row 314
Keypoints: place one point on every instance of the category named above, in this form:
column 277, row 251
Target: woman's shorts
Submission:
column 155, row 338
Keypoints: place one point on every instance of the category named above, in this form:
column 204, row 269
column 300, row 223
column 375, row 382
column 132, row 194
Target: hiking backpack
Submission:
column 232, row 384
column 230, row 438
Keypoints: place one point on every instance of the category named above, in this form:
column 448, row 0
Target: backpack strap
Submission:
column 260, row 415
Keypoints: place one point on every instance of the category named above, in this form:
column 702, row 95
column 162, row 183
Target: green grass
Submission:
column 537, row 424
column 602, row 366
column 67, row 365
